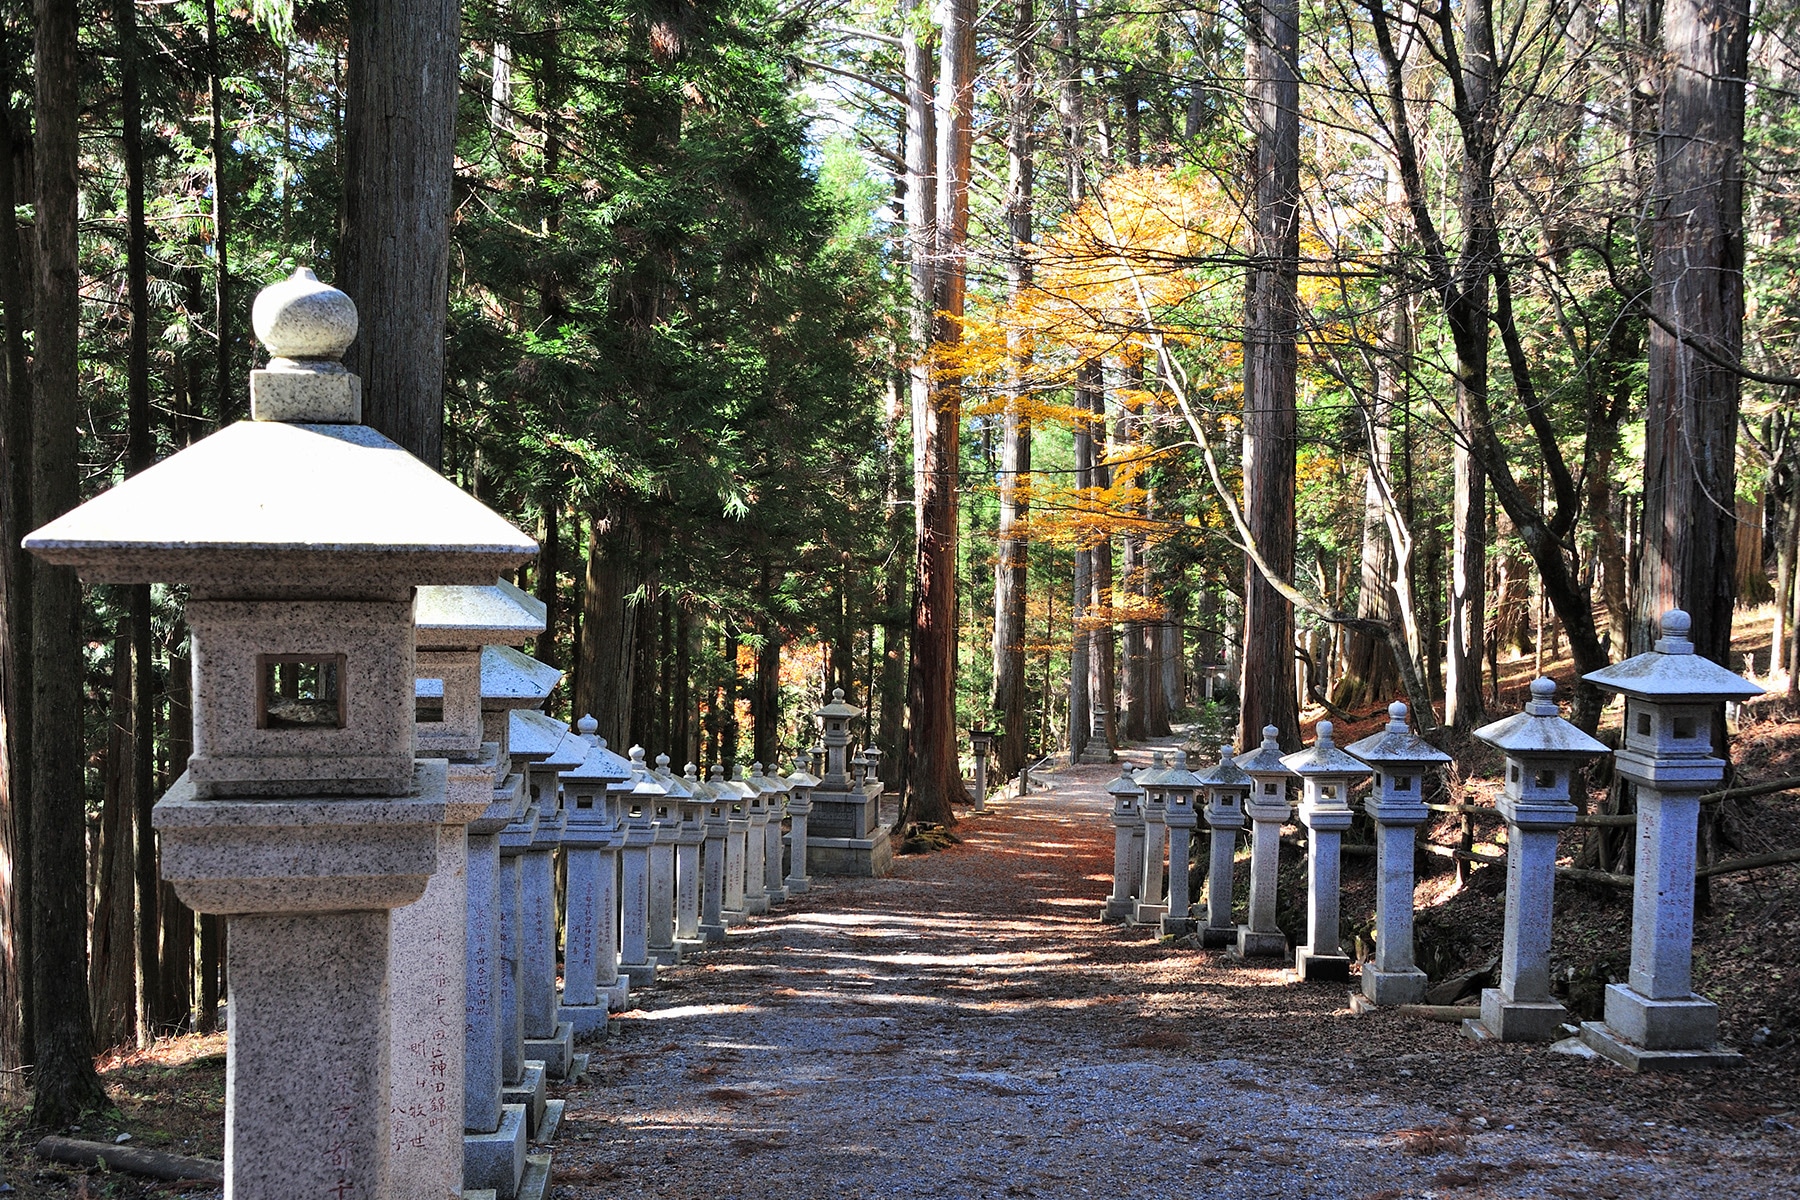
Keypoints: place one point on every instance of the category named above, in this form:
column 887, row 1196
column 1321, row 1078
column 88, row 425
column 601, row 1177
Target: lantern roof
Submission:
column 1267, row 758
column 1671, row 672
column 536, row 738
column 1396, row 743
column 512, row 679
column 448, row 616
column 272, row 505
column 675, row 786
column 600, row 765
column 1323, row 758
column 644, row 780
column 1540, row 729
column 1153, row 776
column 1227, row 773
column 1178, row 775
column 801, row 777
column 838, row 707
column 1126, row 784
column 697, row 787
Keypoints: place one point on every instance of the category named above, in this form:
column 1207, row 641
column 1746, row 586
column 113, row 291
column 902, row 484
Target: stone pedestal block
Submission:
column 1323, row 957
column 1178, row 920
column 635, row 961
column 496, row 1161
column 1152, row 906
column 660, row 926
column 1221, row 850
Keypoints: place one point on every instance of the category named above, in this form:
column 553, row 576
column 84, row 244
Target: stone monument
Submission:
column 591, row 839
column 1267, row 810
column 1326, row 774
column 1226, row 786
column 845, row 835
column 1128, row 824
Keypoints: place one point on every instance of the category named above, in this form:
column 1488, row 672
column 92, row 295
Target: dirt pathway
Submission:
column 968, row 1029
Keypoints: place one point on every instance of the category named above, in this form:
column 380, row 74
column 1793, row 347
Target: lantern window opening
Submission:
column 1545, row 779
column 1378, row 779
column 1328, row 791
column 1643, row 724
column 428, row 706
column 1399, row 783
column 300, row 691
column 1514, row 769
column 584, row 802
column 1683, row 727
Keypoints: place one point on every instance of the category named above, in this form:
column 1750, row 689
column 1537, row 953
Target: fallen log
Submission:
column 1775, row 858
column 135, row 1159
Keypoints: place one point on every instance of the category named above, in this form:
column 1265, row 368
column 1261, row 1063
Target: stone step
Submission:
column 555, row 1051
column 536, row 1184
column 496, row 1161
column 529, row 1091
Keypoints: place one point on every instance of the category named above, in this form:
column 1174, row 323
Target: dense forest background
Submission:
column 1057, row 369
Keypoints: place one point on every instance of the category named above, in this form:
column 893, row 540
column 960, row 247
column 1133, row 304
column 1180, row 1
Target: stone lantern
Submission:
column 1543, row 753
column 982, row 741
column 816, row 752
column 1655, row 1021
column 302, row 815
column 776, row 793
column 1267, row 810
column 756, row 842
column 690, row 838
column 1226, row 786
column 1401, row 760
column 737, row 837
column 591, row 839
column 1179, row 787
column 547, row 748
column 846, row 835
column 800, row 787
column 1326, row 774
column 453, row 932
column 716, row 822
column 1152, row 905
column 662, row 863
column 1128, row 835
column 646, row 796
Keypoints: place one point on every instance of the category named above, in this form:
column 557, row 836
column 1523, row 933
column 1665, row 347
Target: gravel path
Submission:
column 968, row 1029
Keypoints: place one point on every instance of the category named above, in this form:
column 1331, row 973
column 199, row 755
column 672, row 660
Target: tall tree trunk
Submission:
column 223, row 403
column 934, row 777
column 112, row 970
column 603, row 685
column 766, row 743
column 15, row 607
column 140, row 453
column 890, row 733
column 549, row 594
column 1102, row 659
column 1011, row 577
column 1690, row 425
column 1271, row 319
column 63, row 1081
column 395, row 248
column 1081, row 640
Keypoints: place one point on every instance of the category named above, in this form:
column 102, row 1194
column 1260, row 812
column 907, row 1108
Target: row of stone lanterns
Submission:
column 375, row 799
column 1652, row 1021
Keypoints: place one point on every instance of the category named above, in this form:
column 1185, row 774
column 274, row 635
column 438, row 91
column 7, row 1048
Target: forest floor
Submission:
column 966, row 1028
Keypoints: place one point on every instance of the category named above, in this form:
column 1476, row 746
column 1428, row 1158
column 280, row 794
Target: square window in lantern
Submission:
column 298, row 691
column 428, row 701
column 1684, row 727
column 1269, row 789
column 1546, row 779
column 584, row 802
column 1643, row 724
column 1328, row 792
column 1402, row 783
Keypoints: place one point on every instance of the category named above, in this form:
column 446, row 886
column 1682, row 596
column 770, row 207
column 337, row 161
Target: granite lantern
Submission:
column 1152, row 905
column 1543, row 753
column 689, row 841
column 800, row 785
column 647, row 793
column 302, row 816
column 1226, row 787
column 717, row 825
column 1179, row 787
column 1267, row 810
column 1326, row 775
column 553, row 749
column 661, row 920
column 846, row 834
column 591, row 839
column 982, row 742
column 756, row 843
column 1128, row 825
column 1401, row 760
column 447, row 942
column 737, row 835
column 776, row 794
column 1655, row 1021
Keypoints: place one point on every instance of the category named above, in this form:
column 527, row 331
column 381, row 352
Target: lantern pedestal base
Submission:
column 866, row 857
column 496, row 1160
column 1254, row 943
column 557, row 1052
column 1505, row 1020
column 1176, row 926
column 1314, row 967
column 1596, row 1036
column 1382, row 988
column 1217, row 937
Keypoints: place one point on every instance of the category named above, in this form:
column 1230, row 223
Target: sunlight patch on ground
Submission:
column 686, row 1010
column 164, row 1052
